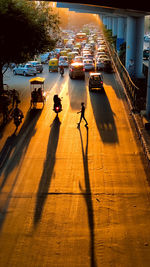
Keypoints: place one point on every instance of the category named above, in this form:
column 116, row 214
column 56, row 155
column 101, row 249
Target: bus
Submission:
column 80, row 37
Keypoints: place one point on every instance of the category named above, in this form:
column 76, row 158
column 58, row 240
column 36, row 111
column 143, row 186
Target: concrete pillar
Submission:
column 114, row 26
column 120, row 32
column 130, row 45
column 148, row 91
column 110, row 23
column 134, row 45
column 139, row 46
column 105, row 21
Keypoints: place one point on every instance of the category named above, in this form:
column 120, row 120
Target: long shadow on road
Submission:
column 16, row 145
column 47, row 170
column 77, row 93
column 104, row 117
column 11, row 155
column 88, row 198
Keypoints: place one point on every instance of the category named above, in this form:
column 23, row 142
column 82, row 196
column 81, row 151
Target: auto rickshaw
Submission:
column 65, row 41
column 53, row 65
column 63, row 53
column 71, row 56
column 37, row 91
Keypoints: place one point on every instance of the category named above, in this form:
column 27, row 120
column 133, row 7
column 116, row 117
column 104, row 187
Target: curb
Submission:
column 135, row 119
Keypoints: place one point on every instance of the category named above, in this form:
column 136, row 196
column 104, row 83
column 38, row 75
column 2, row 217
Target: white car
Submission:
column 63, row 61
column 25, row 69
column 88, row 64
column 100, row 63
column 98, row 54
column 37, row 65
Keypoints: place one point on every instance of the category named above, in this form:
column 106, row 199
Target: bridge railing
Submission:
column 132, row 90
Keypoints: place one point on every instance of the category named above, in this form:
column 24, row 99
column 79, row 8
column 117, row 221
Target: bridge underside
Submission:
column 127, row 6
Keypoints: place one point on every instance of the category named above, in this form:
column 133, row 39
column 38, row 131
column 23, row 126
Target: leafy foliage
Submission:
column 28, row 29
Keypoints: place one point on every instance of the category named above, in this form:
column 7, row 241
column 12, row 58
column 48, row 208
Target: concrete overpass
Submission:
column 127, row 24
column 126, row 20
column 131, row 6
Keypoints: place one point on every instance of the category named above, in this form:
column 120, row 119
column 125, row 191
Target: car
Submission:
column 88, row 56
column 25, row 69
column 145, row 53
column 63, row 61
column 101, row 62
column 77, row 70
column 95, row 81
column 86, row 51
column 100, row 54
column 78, row 59
column 88, row 64
column 37, row 65
column 108, row 66
column 44, row 57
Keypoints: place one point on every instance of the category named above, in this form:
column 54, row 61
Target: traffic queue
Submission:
column 79, row 53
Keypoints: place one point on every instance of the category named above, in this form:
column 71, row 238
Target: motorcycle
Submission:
column 18, row 120
column 62, row 72
column 57, row 104
column 57, row 108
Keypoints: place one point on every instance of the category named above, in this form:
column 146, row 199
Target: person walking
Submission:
column 82, row 111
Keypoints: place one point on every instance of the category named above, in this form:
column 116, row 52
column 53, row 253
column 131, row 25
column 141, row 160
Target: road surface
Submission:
column 74, row 197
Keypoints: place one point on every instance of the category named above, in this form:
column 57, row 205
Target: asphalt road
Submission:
column 73, row 197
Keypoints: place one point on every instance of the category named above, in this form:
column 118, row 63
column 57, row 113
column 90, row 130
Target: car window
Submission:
column 29, row 66
column 88, row 62
column 96, row 78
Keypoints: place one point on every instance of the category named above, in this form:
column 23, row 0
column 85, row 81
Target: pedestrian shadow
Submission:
column 16, row 145
column 77, row 93
column 104, row 117
column 88, row 197
column 47, row 170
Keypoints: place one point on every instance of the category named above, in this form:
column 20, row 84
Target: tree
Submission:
column 28, row 29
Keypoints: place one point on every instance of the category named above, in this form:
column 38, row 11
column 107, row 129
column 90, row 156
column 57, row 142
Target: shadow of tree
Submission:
column 47, row 170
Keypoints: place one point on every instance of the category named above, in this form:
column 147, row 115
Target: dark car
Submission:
column 96, row 81
column 145, row 53
column 108, row 66
column 77, row 70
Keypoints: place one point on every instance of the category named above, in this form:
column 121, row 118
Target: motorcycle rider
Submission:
column 61, row 69
column 17, row 115
column 57, row 101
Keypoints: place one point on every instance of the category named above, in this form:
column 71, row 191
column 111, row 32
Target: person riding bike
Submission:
column 61, row 69
column 57, row 101
column 17, row 113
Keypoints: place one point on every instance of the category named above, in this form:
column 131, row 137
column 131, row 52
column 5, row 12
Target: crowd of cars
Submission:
column 92, row 57
column 87, row 55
